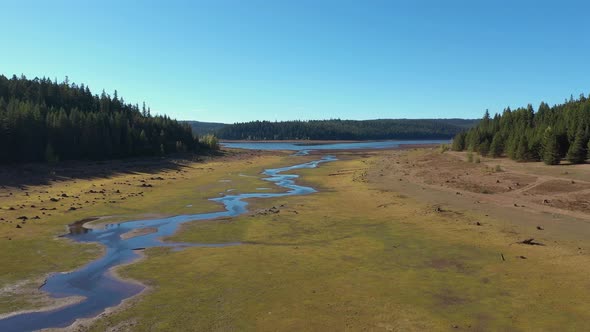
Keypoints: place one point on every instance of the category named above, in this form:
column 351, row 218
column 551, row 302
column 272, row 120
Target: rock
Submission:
column 22, row 218
column 531, row 242
column 540, row 228
column 18, row 226
column 53, row 199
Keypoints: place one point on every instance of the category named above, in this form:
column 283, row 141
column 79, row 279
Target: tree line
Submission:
column 345, row 129
column 43, row 120
column 549, row 134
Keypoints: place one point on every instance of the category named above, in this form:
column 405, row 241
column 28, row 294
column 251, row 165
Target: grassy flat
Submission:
column 33, row 249
column 355, row 256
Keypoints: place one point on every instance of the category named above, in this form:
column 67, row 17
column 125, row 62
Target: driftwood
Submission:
column 531, row 242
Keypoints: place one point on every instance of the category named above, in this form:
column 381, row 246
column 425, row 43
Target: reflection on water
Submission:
column 100, row 288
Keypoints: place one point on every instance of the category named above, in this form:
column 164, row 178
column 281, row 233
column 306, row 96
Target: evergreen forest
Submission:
column 549, row 134
column 336, row 129
column 45, row 120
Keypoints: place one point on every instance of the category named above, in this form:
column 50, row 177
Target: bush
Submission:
column 470, row 156
column 477, row 160
column 444, row 148
column 209, row 142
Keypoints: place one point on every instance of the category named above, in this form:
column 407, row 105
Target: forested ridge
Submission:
column 43, row 120
column 202, row 128
column 549, row 134
column 346, row 129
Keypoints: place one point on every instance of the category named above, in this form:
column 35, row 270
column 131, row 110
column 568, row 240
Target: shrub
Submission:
column 210, row 142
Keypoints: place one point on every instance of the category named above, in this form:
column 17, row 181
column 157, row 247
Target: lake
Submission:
column 303, row 146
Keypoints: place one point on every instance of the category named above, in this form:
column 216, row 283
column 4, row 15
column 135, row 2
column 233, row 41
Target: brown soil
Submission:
column 523, row 196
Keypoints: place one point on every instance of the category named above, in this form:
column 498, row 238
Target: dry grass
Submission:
column 358, row 256
column 31, row 251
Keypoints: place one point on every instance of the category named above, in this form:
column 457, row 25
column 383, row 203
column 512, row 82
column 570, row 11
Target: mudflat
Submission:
column 393, row 240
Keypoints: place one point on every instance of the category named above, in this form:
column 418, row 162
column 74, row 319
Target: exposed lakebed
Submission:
column 96, row 284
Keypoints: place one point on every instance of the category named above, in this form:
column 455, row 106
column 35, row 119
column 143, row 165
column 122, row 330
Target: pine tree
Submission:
column 550, row 147
column 459, row 142
column 522, row 152
column 50, row 155
column 577, row 152
column 484, row 147
column 497, row 146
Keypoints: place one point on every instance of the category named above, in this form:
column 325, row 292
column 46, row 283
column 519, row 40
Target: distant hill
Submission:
column 347, row 129
column 203, row 128
column 463, row 123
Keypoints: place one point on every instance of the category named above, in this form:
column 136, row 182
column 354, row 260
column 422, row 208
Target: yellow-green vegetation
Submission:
column 352, row 257
column 31, row 251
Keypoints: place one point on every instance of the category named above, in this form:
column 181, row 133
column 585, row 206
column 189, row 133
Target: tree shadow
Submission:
column 33, row 174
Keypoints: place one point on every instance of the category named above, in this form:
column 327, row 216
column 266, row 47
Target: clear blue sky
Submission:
column 241, row 60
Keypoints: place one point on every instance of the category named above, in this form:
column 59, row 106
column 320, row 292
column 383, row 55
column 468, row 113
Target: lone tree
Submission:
column 550, row 147
column 577, row 152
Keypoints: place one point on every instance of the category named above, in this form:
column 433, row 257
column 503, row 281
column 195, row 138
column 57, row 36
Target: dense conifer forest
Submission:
column 346, row 129
column 549, row 134
column 43, row 120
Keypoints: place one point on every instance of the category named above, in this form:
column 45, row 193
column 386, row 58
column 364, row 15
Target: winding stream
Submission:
column 96, row 283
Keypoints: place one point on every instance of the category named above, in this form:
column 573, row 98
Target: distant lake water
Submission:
column 302, row 146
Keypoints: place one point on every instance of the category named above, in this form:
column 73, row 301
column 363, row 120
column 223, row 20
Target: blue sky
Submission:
column 231, row 61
